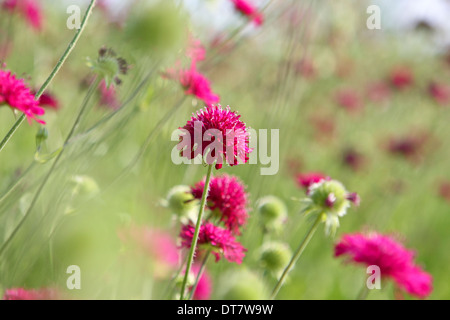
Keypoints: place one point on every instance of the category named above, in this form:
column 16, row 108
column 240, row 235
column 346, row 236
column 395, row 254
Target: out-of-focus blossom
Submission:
column 30, row 9
column 349, row 100
column 411, row 147
column 305, row 180
column 32, row 294
column 401, row 77
column 394, row 260
column 378, row 92
column 444, row 190
column 49, row 100
column 353, row 159
column 248, row 10
column 439, row 92
column 108, row 96
column 156, row 245
column 324, row 127
column 17, row 95
column 204, row 286
column 306, row 68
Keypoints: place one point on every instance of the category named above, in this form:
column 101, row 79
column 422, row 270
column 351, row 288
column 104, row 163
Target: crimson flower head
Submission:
column 15, row 94
column 196, row 84
column 108, row 96
column 305, row 180
column 247, row 9
column 204, row 285
column 48, row 100
column 349, row 100
column 218, row 130
column 439, row 92
column 220, row 241
column 228, row 198
column 401, row 77
column 394, row 260
column 32, row 294
column 30, row 9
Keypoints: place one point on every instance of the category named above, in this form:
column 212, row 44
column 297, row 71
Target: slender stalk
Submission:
column 296, row 255
column 52, row 169
column 362, row 295
column 52, row 74
column 196, row 232
column 199, row 274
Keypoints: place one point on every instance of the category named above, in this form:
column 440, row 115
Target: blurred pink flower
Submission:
column 378, row 92
column 220, row 240
column 15, row 94
column 108, row 96
column 247, row 9
column 47, row 100
column 158, row 245
column 411, row 147
column 306, row 68
column 30, row 9
column 204, row 285
column 401, row 77
column 227, row 195
column 214, row 122
column 305, row 180
column 439, row 92
column 195, row 50
column 395, row 262
column 32, row 294
column 444, row 190
column 349, row 100
column 353, row 159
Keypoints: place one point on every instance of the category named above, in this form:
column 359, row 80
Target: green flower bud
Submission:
column 272, row 210
column 242, row 285
column 181, row 201
column 275, row 256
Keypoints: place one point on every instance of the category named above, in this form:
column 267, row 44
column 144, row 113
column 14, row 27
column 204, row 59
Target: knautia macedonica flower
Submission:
column 109, row 66
column 29, row 9
column 48, row 100
column 17, row 95
column 331, row 200
column 204, row 285
column 227, row 199
column 248, row 10
column 394, row 260
column 220, row 241
column 219, row 131
column 32, row 294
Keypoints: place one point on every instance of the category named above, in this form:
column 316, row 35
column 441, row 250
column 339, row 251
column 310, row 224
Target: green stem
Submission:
column 296, row 255
column 52, row 74
column 196, row 232
column 54, row 165
column 199, row 274
column 362, row 295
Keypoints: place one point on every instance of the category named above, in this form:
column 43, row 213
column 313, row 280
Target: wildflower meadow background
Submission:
column 348, row 103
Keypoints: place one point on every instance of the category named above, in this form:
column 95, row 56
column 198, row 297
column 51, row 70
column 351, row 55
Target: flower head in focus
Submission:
column 227, row 199
column 219, row 131
column 394, row 260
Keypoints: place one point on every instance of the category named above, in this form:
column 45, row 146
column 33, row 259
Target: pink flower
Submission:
column 196, row 84
column 33, row 294
column 378, row 92
column 349, row 100
column 305, row 180
column 204, row 285
column 220, row 240
column 247, row 9
column 156, row 244
column 15, row 94
column 353, row 159
column 218, row 127
column 444, row 190
column 439, row 92
column 395, row 262
column 401, row 77
column 195, row 50
column 47, row 100
column 108, row 96
column 227, row 195
column 30, row 9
